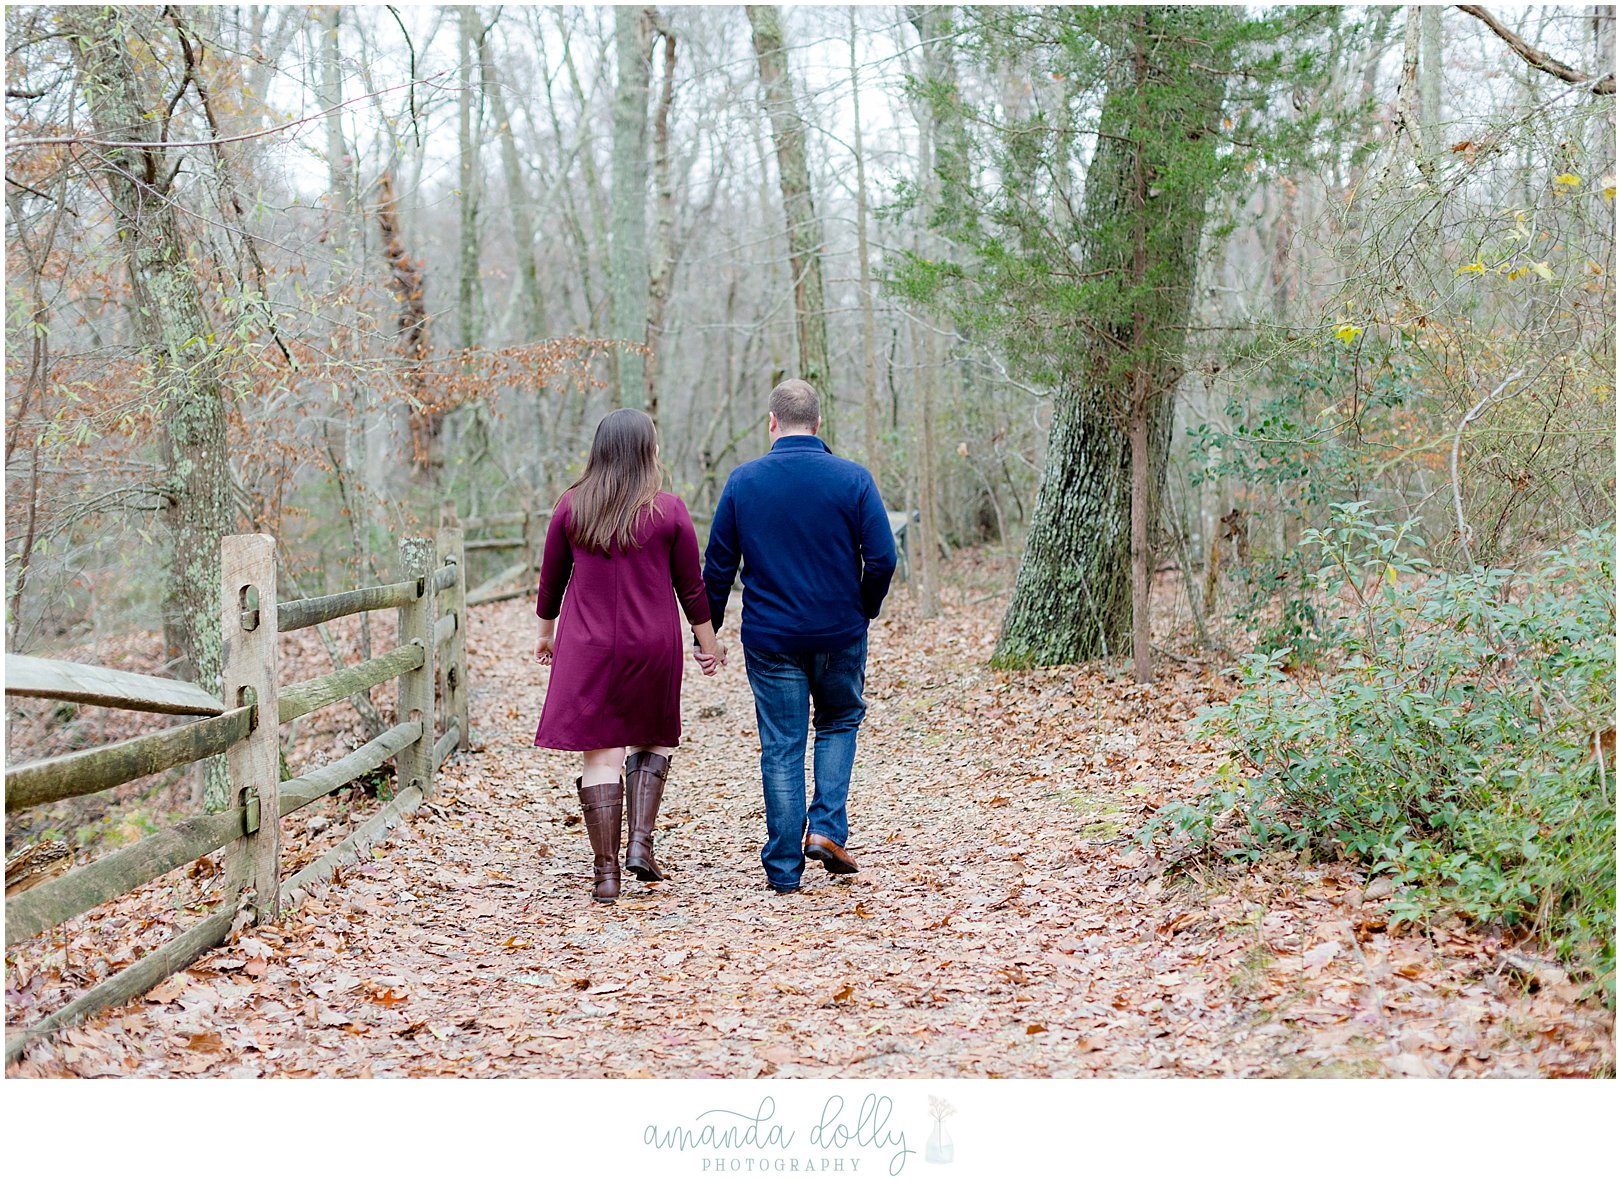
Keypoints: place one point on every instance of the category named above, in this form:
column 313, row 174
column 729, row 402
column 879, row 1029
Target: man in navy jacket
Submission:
column 813, row 539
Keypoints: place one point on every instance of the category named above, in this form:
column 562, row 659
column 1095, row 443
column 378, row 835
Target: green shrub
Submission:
column 1458, row 737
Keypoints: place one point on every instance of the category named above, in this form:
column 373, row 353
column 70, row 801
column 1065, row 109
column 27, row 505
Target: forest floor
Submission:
column 1003, row 923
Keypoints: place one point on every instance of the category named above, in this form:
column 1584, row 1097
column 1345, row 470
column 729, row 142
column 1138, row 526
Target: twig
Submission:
column 412, row 49
column 148, row 145
column 28, row 189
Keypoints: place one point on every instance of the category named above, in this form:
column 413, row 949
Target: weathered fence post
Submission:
column 453, row 666
column 415, row 764
column 248, row 601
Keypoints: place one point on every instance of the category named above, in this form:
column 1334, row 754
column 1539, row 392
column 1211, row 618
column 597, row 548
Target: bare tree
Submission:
column 663, row 269
column 628, row 271
column 470, row 180
column 869, row 330
column 799, row 206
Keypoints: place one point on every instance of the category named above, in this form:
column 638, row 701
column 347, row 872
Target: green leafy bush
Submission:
column 1459, row 737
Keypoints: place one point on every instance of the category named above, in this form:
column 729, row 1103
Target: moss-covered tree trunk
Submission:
column 172, row 329
column 1143, row 212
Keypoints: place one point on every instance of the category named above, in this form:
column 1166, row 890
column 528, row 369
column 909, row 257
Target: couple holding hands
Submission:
column 811, row 535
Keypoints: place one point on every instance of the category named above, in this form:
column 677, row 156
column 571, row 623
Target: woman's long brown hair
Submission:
column 620, row 485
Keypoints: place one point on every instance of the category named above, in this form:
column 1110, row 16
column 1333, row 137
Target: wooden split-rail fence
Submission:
column 522, row 533
column 242, row 726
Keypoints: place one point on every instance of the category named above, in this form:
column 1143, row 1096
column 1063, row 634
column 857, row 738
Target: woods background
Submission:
column 1230, row 298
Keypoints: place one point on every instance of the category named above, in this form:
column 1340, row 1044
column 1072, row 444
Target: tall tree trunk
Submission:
column 531, row 303
column 601, row 219
column 405, row 279
column 520, row 201
column 1143, row 469
column 339, row 167
column 1142, row 556
column 353, row 458
column 1429, row 84
column 658, row 285
column 799, row 207
column 869, row 330
column 1601, row 144
column 931, row 22
column 776, row 271
column 928, row 519
column 1073, row 597
column 469, row 286
column 628, row 262
column 1406, row 115
column 173, row 331
column 1284, row 261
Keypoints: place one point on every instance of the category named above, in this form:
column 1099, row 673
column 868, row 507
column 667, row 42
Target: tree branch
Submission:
column 1535, row 57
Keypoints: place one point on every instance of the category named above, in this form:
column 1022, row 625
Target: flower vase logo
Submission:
column 938, row 1149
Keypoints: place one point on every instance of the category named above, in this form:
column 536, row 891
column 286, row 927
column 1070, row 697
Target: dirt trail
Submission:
column 999, row 925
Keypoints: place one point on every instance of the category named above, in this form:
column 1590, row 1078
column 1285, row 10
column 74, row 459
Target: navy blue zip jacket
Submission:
column 813, row 537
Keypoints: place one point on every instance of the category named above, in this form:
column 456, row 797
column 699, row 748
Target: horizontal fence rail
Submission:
column 312, row 785
column 249, row 832
column 307, row 612
column 31, row 676
column 107, row 766
column 31, row 912
column 517, row 579
column 134, row 979
column 294, row 701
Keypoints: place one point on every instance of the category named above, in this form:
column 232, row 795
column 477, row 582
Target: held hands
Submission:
column 710, row 663
column 706, row 649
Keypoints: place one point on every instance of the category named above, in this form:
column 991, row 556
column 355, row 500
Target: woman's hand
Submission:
column 707, row 650
column 543, row 650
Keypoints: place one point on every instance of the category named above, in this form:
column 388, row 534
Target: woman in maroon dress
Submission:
column 620, row 545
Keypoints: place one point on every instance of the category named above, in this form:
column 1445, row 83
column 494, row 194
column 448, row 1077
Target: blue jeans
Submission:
column 790, row 687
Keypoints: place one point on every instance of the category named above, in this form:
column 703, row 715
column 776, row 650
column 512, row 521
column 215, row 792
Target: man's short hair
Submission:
column 795, row 403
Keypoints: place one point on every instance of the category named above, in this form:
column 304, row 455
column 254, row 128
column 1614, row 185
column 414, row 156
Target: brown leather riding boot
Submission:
column 645, row 773
column 604, row 809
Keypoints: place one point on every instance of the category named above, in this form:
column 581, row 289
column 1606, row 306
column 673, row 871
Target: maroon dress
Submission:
column 618, row 651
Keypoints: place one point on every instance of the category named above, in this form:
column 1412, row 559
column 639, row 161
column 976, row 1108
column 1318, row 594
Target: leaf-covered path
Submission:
column 1000, row 925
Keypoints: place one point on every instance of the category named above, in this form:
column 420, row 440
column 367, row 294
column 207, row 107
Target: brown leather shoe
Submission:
column 604, row 808
column 829, row 853
column 645, row 773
